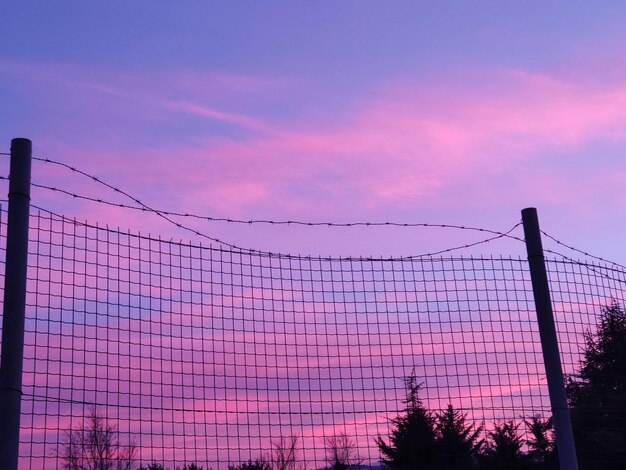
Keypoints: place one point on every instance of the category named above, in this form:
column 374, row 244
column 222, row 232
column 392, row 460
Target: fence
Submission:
column 213, row 355
column 204, row 355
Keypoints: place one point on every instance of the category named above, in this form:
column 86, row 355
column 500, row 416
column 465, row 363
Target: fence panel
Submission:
column 198, row 354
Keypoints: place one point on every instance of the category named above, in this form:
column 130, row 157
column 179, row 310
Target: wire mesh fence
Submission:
column 197, row 354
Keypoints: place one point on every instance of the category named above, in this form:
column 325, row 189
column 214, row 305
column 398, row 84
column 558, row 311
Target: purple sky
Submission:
column 442, row 112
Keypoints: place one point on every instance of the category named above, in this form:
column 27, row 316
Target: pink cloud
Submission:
column 409, row 145
column 233, row 118
column 396, row 150
column 407, row 149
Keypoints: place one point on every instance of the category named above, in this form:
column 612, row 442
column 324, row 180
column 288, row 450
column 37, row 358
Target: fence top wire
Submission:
column 167, row 216
column 142, row 207
column 273, row 222
column 582, row 252
column 229, row 248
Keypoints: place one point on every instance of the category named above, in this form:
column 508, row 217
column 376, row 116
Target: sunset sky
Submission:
column 437, row 112
column 441, row 112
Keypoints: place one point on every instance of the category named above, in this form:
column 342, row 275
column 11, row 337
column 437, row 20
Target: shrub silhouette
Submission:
column 258, row 464
column 341, row 452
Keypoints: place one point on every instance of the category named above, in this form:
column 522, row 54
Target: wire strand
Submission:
column 569, row 247
column 239, row 250
column 166, row 216
column 137, row 201
column 145, row 208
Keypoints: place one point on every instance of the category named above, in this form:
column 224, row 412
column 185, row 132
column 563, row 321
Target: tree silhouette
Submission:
column 282, row 456
column 341, row 452
column 541, row 444
column 597, row 394
column 95, row 446
column 284, row 453
column 458, row 443
column 504, row 447
column 412, row 437
column 258, row 464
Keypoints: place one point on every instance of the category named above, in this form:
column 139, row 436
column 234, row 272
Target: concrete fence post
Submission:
column 549, row 341
column 12, row 355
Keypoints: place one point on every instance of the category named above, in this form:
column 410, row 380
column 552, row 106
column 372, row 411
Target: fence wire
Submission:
column 197, row 354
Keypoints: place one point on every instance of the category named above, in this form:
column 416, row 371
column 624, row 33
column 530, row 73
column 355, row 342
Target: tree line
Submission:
column 421, row 439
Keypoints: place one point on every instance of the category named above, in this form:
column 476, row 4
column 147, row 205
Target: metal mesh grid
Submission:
column 199, row 354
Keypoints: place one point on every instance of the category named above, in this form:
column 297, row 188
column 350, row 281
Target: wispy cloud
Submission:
column 500, row 139
column 211, row 113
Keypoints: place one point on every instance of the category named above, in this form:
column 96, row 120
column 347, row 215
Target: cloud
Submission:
column 492, row 138
column 408, row 144
column 238, row 119
column 406, row 147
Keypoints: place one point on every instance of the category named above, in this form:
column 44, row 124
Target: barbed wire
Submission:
column 239, row 221
column 272, row 222
column 241, row 250
column 348, row 258
column 137, row 201
column 590, row 267
column 569, row 247
column 167, row 214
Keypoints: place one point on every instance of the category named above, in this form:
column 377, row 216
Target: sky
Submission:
column 437, row 112
column 442, row 112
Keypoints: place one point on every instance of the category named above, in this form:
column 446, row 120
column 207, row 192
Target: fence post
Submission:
column 549, row 342
column 14, row 303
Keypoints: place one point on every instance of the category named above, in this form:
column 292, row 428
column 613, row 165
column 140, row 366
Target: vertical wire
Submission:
column 47, row 334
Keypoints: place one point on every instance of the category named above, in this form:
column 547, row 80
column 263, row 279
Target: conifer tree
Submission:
column 458, row 443
column 597, row 394
column 504, row 448
column 541, row 444
column 412, row 438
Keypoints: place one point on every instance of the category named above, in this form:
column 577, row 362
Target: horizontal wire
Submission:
column 165, row 215
column 268, row 221
column 191, row 410
column 39, row 397
column 581, row 251
column 137, row 201
column 242, row 250
column 249, row 251
column 589, row 266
